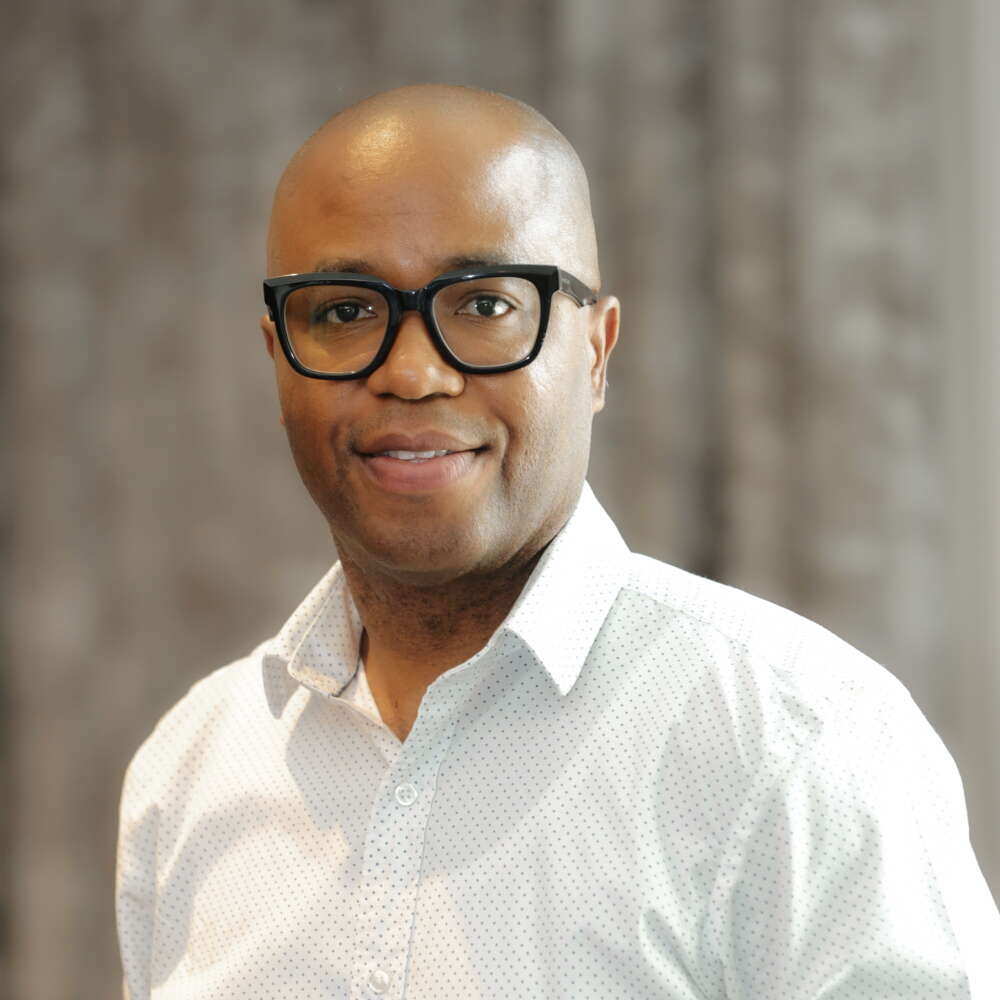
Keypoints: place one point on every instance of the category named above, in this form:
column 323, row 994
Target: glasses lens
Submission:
column 335, row 329
column 489, row 321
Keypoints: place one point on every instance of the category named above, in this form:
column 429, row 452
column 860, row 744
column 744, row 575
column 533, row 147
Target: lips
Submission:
column 419, row 463
column 416, row 444
column 415, row 456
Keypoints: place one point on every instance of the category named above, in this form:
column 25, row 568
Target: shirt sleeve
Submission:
column 855, row 877
column 135, row 880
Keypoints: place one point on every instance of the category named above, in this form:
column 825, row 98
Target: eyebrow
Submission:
column 357, row 265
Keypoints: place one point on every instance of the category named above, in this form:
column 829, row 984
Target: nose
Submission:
column 414, row 369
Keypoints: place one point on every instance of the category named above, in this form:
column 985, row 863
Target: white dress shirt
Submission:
column 646, row 785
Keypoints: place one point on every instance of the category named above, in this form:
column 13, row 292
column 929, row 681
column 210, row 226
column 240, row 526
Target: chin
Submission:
column 419, row 556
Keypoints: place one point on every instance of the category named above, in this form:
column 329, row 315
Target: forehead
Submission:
column 408, row 202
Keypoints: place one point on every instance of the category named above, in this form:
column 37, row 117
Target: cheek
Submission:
column 310, row 408
column 563, row 386
column 552, row 413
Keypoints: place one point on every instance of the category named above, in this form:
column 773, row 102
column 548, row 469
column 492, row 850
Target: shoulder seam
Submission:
column 794, row 647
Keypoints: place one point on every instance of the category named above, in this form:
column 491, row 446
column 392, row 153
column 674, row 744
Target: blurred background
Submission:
column 798, row 203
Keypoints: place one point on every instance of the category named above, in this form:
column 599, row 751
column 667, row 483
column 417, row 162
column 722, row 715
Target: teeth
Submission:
column 418, row 456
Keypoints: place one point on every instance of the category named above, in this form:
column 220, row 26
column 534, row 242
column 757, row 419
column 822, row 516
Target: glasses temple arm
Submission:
column 576, row 289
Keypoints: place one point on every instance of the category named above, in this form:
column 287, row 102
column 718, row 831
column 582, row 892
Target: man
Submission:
column 493, row 753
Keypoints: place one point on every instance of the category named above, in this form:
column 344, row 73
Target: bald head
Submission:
column 406, row 186
column 400, row 159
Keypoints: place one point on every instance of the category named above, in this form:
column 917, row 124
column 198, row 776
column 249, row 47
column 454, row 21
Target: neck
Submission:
column 417, row 632
column 414, row 634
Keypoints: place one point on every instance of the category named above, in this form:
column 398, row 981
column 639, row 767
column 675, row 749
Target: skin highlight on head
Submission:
column 382, row 134
column 399, row 187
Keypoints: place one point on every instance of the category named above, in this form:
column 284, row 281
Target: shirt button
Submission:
column 378, row 981
column 406, row 794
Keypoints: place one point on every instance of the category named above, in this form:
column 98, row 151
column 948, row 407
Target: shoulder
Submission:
column 749, row 694
column 768, row 653
column 224, row 701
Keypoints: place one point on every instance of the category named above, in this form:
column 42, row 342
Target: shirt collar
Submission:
column 557, row 615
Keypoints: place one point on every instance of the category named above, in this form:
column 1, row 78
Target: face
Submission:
column 407, row 207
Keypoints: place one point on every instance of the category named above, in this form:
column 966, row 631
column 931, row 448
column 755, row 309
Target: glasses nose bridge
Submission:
column 412, row 299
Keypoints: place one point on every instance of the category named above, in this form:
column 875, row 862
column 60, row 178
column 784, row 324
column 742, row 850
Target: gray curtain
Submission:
column 766, row 176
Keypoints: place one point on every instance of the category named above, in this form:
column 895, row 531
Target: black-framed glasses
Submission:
column 482, row 321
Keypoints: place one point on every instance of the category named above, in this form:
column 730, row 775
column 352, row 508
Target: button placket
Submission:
column 393, row 855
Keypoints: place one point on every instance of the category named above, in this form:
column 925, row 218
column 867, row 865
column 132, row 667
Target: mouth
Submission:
column 419, row 466
column 417, row 456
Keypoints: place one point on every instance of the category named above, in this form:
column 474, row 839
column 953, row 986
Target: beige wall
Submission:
column 801, row 403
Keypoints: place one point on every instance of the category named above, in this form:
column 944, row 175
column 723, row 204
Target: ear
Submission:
column 603, row 337
column 267, row 328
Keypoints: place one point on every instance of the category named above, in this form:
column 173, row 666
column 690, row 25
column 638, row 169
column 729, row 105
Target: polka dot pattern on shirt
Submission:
column 646, row 785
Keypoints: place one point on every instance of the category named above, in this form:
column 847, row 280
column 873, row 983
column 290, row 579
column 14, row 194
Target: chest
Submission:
column 495, row 852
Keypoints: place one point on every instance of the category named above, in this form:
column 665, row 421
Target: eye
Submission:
column 342, row 311
column 487, row 306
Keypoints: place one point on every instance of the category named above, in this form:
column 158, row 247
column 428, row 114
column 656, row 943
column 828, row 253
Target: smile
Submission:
column 400, row 471
column 414, row 456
